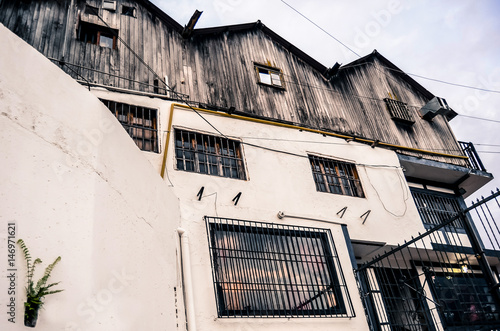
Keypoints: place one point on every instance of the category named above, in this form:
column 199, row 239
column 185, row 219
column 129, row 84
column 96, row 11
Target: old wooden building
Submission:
column 286, row 178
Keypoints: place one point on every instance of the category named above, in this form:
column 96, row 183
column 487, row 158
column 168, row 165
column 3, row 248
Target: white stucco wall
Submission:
column 280, row 182
column 75, row 185
column 283, row 182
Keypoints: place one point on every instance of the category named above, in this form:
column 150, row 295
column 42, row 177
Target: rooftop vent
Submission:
column 437, row 106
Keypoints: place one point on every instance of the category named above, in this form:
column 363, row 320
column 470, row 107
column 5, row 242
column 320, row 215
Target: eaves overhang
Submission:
column 448, row 175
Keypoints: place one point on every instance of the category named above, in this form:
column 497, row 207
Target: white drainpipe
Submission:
column 188, row 286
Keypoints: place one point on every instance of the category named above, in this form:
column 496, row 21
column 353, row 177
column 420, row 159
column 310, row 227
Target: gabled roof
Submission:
column 287, row 45
column 376, row 55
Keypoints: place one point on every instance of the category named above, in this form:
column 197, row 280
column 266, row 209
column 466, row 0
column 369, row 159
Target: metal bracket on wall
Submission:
column 342, row 211
column 365, row 215
column 236, row 198
column 200, row 193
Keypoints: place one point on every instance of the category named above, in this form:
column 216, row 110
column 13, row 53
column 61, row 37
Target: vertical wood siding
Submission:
column 218, row 69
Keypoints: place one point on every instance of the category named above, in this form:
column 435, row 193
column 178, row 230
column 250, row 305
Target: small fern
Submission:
column 36, row 292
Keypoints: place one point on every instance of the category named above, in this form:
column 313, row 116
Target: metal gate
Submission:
column 443, row 279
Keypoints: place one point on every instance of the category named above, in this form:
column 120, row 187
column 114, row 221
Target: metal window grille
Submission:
column 399, row 111
column 269, row 76
column 434, row 208
column 139, row 122
column 272, row 270
column 206, row 154
column 335, row 177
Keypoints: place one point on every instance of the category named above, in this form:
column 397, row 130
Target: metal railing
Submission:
column 473, row 158
column 440, row 280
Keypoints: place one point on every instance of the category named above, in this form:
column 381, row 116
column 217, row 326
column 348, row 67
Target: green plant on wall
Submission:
column 36, row 292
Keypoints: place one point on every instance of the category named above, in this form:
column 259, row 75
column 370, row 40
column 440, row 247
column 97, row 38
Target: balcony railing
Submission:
column 473, row 159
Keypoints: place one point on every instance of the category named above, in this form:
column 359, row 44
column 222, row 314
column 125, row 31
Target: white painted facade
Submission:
column 76, row 185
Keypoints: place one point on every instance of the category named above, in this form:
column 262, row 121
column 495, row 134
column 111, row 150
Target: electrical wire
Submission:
column 328, row 33
column 407, row 73
column 188, row 103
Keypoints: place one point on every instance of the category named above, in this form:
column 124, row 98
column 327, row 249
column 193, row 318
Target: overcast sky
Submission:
column 454, row 41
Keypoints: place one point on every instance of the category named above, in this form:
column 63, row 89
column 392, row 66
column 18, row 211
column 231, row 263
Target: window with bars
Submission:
column 271, row 270
column 399, row 111
column 207, row 154
column 335, row 177
column 269, row 76
column 139, row 122
column 435, row 208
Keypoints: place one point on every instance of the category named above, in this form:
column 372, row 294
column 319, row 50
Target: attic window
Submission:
column 399, row 111
column 97, row 35
column 91, row 10
column 129, row 11
column 109, row 5
column 269, row 76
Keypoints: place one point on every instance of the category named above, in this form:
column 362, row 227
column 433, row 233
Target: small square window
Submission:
column 129, row 11
column 109, row 5
column 105, row 41
column 91, row 10
column 269, row 76
column 336, row 177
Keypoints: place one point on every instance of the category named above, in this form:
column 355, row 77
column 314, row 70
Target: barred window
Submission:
column 206, row 154
column 139, row 122
column 335, row 177
column 435, row 208
column 399, row 111
column 272, row 270
column 269, row 75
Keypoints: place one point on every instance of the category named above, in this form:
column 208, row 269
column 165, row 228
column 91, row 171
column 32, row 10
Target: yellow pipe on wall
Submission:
column 292, row 126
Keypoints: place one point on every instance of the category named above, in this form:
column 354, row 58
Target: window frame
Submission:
column 95, row 32
column 467, row 281
column 258, row 67
column 124, row 12
column 428, row 214
column 136, row 126
column 345, row 176
column 273, row 267
column 208, row 154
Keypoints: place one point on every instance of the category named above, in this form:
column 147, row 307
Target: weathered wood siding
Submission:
column 217, row 69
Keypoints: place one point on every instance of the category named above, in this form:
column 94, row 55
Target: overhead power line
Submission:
column 319, row 27
column 407, row 73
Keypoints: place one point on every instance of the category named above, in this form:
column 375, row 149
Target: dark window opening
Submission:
column 435, row 208
column 405, row 307
column 399, row 111
column 91, row 10
column 129, row 11
column 206, row 154
column 335, row 177
column 465, row 299
column 139, row 122
column 269, row 76
column 97, row 35
column 272, row 270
